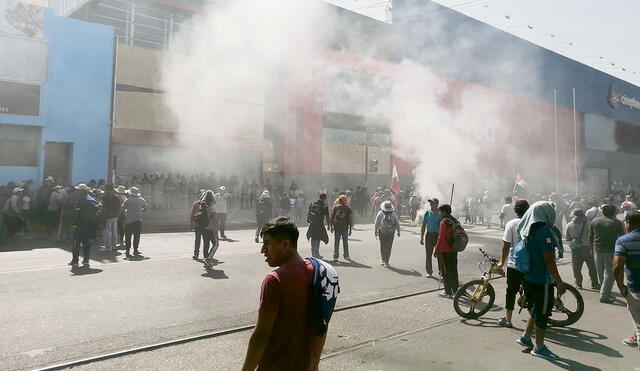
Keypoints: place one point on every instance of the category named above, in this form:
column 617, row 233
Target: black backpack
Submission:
column 202, row 216
column 315, row 212
column 342, row 216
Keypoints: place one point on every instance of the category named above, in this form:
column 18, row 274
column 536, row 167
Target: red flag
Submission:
column 520, row 183
column 395, row 180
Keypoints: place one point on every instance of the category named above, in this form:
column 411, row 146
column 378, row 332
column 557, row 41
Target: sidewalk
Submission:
column 593, row 343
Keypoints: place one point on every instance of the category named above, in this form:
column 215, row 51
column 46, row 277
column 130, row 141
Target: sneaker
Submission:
column 195, row 257
column 443, row 294
column 504, row 323
column 73, row 263
column 207, row 263
column 85, row 263
column 525, row 342
column 137, row 253
column 429, row 275
column 606, row 300
column 127, row 255
column 544, row 352
column 346, row 257
column 382, row 263
column 579, row 286
column 631, row 341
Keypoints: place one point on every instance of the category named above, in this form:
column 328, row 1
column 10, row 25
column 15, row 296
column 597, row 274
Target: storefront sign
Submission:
column 616, row 98
column 19, row 99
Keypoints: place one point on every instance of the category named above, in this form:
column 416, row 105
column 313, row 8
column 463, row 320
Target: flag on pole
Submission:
column 395, row 180
column 520, row 186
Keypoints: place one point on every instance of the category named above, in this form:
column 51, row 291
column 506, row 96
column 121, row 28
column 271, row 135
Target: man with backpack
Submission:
column 446, row 250
column 386, row 226
column 577, row 233
column 318, row 213
column 264, row 209
column 296, row 303
column 84, row 221
column 341, row 226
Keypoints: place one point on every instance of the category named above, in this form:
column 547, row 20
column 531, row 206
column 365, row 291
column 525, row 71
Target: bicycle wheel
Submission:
column 471, row 306
column 568, row 310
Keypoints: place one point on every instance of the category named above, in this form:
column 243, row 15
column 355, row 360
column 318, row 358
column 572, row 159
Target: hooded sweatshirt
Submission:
column 577, row 231
column 541, row 212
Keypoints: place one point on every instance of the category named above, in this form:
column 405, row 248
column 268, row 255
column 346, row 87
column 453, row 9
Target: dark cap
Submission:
column 433, row 199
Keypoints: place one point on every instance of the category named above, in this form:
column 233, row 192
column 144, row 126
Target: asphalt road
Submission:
column 52, row 313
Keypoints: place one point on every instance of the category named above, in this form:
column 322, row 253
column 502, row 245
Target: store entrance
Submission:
column 57, row 160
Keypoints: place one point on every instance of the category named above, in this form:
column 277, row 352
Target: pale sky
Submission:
column 600, row 33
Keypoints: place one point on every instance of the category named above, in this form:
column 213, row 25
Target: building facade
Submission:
column 55, row 95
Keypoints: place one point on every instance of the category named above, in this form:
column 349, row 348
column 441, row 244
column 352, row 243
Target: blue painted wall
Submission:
column 76, row 98
column 461, row 47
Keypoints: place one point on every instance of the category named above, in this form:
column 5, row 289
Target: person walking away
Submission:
column 198, row 219
column 210, row 229
column 540, row 243
column 12, row 211
column 603, row 233
column 300, row 204
column 244, row 194
column 285, row 204
column 290, row 331
column 316, row 217
column 85, row 215
column 577, row 233
column 341, row 227
column 414, row 206
column 264, row 209
column 510, row 240
column 110, row 211
column 506, row 212
column 430, row 224
column 133, row 207
column 626, row 262
column 447, row 256
column 222, row 199
column 386, row 226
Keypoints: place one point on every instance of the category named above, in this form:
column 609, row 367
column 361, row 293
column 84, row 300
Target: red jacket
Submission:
column 444, row 236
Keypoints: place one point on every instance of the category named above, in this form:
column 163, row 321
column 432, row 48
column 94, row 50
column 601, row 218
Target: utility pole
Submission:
column 368, row 142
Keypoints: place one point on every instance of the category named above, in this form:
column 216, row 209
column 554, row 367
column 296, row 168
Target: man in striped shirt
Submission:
column 627, row 259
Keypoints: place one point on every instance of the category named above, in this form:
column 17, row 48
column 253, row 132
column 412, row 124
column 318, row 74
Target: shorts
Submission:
column 540, row 299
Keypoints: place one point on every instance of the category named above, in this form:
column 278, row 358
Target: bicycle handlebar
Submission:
column 488, row 257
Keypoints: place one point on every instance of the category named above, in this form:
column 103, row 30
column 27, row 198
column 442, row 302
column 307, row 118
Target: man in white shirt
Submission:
column 514, row 277
column 506, row 212
column 222, row 201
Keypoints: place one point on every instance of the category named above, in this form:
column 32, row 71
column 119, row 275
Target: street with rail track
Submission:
column 52, row 314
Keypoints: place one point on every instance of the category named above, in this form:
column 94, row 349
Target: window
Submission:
column 19, row 145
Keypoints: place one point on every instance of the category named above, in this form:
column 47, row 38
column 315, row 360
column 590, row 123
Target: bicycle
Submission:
column 475, row 298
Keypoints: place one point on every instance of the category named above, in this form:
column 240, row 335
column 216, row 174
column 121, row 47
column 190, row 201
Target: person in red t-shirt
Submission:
column 282, row 338
column 447, row 256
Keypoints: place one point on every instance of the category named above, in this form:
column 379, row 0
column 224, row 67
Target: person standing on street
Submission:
column 264, row 210
column 510, row 240
column 318, row 213
column 430, row 224
column 133, row 207
column 210, row 230
column 222, row 204
column 506, row 212
column 84, row 223
column 195, row 225
column 626, row 262
column 447, row 256
column 577, row 233
column 386, row 226
column 300, row 204
column 13, row 215
column 341, row 226
column 284, row 337
column 110, row 211
column 540, row 243
column 603, row 233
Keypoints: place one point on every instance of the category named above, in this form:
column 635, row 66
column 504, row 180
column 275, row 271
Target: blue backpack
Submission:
column 324, row 293
column 522, row 257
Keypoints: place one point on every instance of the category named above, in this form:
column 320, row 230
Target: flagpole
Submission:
column 452, row 187
column 575, row 139
column 555, row 119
